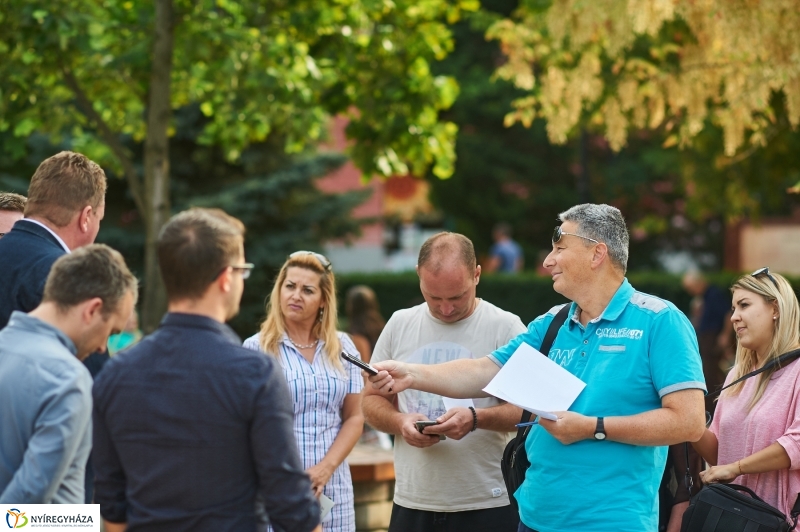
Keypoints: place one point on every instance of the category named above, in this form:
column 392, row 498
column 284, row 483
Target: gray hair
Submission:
column 605, row 224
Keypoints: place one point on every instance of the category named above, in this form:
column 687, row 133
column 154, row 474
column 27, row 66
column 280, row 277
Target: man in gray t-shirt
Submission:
column 455, row 483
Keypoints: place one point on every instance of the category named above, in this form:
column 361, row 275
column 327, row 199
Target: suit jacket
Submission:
column 27, row 253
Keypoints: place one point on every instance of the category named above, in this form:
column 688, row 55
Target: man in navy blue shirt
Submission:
column 190, row 427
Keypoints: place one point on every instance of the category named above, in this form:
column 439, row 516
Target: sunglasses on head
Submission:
column 326, row 264
column 558, row 233
column 765, row 271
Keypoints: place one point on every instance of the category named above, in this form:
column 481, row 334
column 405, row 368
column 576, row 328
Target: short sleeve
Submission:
column 252, row 343
column 355, row 380
column 674, row 355
column 383, row 347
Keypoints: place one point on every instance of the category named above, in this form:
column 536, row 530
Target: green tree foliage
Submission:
column 102, row 71
column 283, row 212
column 674, row 200
column 636, row 64
column 271, row 192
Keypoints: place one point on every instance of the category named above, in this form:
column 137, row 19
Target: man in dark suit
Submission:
column 66, row 201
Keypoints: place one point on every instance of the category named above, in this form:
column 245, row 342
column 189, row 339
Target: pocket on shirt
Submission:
column 611, row 348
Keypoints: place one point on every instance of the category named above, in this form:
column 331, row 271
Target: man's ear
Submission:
column 91, row 308
column 599, row 255
column 83, row 218
column 225, row 280
column 477, row 274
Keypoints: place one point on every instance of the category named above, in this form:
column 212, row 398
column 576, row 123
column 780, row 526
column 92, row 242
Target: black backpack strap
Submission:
column 688, row 481
column 547, row 343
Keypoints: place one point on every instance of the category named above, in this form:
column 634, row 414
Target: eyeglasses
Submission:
column 765, row 271
column 245, row 268
column 558, row 233
column 324, row 262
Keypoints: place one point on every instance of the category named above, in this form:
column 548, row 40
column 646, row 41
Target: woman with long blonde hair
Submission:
column 754, row 438
column 300, row 332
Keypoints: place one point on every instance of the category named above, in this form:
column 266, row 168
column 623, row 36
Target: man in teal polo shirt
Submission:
column 597, row 468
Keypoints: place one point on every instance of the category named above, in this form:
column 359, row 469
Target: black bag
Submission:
column 733, row 508
column 515, row 462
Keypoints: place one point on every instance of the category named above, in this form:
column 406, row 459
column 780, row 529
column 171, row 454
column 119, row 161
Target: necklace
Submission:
column 301, row 346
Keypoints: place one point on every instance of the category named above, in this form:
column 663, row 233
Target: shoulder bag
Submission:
column 727, row 507
column 515, row 462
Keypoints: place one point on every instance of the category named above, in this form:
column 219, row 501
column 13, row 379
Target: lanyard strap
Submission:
column 780, row 361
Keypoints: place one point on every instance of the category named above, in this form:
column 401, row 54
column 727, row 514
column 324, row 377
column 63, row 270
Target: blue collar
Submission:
column 196, row 321
column 614, row 308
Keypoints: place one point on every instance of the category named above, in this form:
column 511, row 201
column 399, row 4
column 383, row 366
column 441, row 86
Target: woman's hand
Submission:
column 721, row 474
column 320, row 475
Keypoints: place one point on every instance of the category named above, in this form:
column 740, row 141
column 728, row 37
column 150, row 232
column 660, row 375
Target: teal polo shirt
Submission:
column 640, row 349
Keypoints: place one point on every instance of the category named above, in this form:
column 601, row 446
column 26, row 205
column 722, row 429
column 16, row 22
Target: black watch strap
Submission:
column 600, row 430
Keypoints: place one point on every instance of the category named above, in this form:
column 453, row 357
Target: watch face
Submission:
column 599, row 436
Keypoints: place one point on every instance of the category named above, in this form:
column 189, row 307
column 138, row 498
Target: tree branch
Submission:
column 109, row 137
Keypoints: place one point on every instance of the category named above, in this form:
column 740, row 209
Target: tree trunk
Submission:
column 156, row 162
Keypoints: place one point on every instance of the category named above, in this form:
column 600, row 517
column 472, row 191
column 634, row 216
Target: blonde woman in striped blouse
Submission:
column 300, row 331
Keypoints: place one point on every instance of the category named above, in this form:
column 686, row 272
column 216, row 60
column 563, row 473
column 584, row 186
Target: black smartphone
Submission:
column 424, row 423
column 360, row 363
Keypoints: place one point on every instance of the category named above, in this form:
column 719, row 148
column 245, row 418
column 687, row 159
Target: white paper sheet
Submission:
column 325, row 504
column 449, row 403
column 532, row 381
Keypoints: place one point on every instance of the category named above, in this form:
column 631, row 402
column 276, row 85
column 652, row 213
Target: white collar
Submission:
column 60, row 241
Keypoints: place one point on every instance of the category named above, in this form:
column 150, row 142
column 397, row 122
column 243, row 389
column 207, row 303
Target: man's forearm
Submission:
column 380, row 414
column 458, row 379
column 501, row 418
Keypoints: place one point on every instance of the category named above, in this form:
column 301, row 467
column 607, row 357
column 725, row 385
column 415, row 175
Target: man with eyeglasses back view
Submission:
column 597, row 467
column 190, row 427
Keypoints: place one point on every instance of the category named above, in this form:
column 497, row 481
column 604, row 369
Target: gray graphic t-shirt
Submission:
column 450, row 475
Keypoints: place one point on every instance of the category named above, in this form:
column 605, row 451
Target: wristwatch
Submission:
column 600, row 430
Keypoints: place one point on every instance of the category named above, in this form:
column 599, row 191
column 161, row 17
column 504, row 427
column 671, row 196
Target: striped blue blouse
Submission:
column 318, row 392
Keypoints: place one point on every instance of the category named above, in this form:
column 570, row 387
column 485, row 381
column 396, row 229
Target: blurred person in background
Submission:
column 45, row 392
column 710, row 316
column 300, row 333
column 364, row 325
column 364, row 319
column 505, row 256
column 127, row 337
column 66, row 202
column 12, row 208
column 754, row 438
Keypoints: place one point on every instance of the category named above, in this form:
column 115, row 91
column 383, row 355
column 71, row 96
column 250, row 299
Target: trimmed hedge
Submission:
column 526, row 295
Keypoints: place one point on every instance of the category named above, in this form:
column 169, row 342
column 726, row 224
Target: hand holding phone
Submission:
column 360, row 363
column 421, row 424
